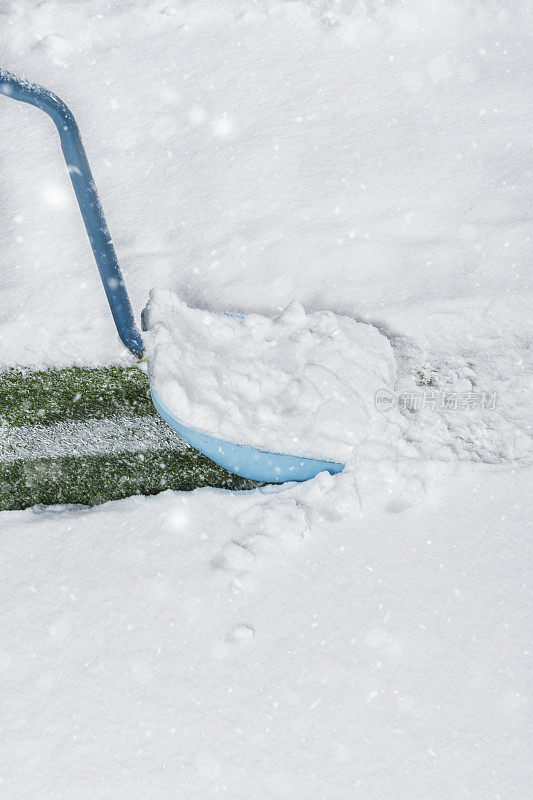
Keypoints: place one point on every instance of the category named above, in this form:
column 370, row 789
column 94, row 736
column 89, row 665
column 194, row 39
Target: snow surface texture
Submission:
column 373, row 163
column 300, row 383
column 357, row 636
column 249, row 153
column 383, row 656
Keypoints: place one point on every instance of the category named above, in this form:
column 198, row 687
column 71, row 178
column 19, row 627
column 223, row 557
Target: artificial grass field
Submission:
column 89, row 435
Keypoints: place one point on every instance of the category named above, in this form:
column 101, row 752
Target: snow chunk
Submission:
column 242, row 633
column 299, row 383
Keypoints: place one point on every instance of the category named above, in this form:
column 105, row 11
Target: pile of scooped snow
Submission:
column 299, row 383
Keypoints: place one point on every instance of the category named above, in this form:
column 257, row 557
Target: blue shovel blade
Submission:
column 257, row 465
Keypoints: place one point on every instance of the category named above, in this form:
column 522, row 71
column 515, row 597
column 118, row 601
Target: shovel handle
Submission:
column 88, row 201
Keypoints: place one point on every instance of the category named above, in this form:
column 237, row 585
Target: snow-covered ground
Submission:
column 250, row 153
column 381, row 656
column 358, row 636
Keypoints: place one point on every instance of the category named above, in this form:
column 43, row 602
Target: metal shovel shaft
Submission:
column 88, row 201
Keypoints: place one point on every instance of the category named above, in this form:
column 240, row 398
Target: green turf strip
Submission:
column 29, row 397
column 99, row 451
column 96, row 479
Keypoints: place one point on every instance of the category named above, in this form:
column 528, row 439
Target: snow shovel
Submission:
column 248, row 462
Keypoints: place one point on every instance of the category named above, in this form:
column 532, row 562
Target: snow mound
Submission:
column 299, row 383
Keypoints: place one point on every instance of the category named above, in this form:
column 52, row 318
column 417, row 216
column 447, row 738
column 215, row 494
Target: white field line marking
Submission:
column 91, row 437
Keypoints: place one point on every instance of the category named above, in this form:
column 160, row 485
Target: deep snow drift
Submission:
column 304, row 384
